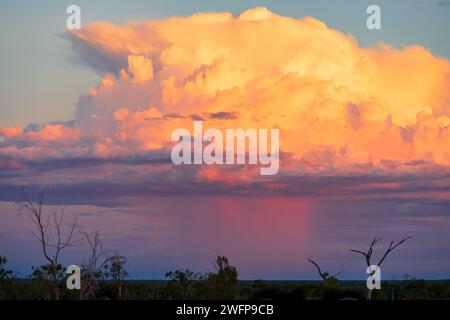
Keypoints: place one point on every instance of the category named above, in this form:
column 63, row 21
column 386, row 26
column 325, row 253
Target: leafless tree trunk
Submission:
column 368, row 255
column 49, row 234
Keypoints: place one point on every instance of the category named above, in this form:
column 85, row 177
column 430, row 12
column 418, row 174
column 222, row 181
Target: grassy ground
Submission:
column 274, row 290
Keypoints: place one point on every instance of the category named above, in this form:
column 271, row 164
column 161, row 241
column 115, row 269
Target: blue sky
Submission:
column 40, row 81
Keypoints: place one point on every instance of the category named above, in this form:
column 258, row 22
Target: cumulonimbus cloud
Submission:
column 341, row 109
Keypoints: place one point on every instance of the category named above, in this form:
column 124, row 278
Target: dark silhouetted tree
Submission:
column 329, row 288
column 224, row 282
column 5, row 274
column 93, row 268
column 180, row 283
column 115, row 270
column 324, row 274
column 50, row 235
column 7, row 280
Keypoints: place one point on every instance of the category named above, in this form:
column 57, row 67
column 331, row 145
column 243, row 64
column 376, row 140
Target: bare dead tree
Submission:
column 368, row 255
column 325, row 275
column 49, row 234
column 93, row 267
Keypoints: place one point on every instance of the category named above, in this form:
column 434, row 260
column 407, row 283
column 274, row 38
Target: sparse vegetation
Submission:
column 104, row 273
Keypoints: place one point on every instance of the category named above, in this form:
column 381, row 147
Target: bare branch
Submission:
column 368, row 255
column 34, row 212
column 47, row 226
column 322, row 275
column 391, row 248
column 341, row 270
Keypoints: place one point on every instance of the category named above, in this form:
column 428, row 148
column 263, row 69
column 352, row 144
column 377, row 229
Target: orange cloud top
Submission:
column 11, row 132
column 340, row 108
